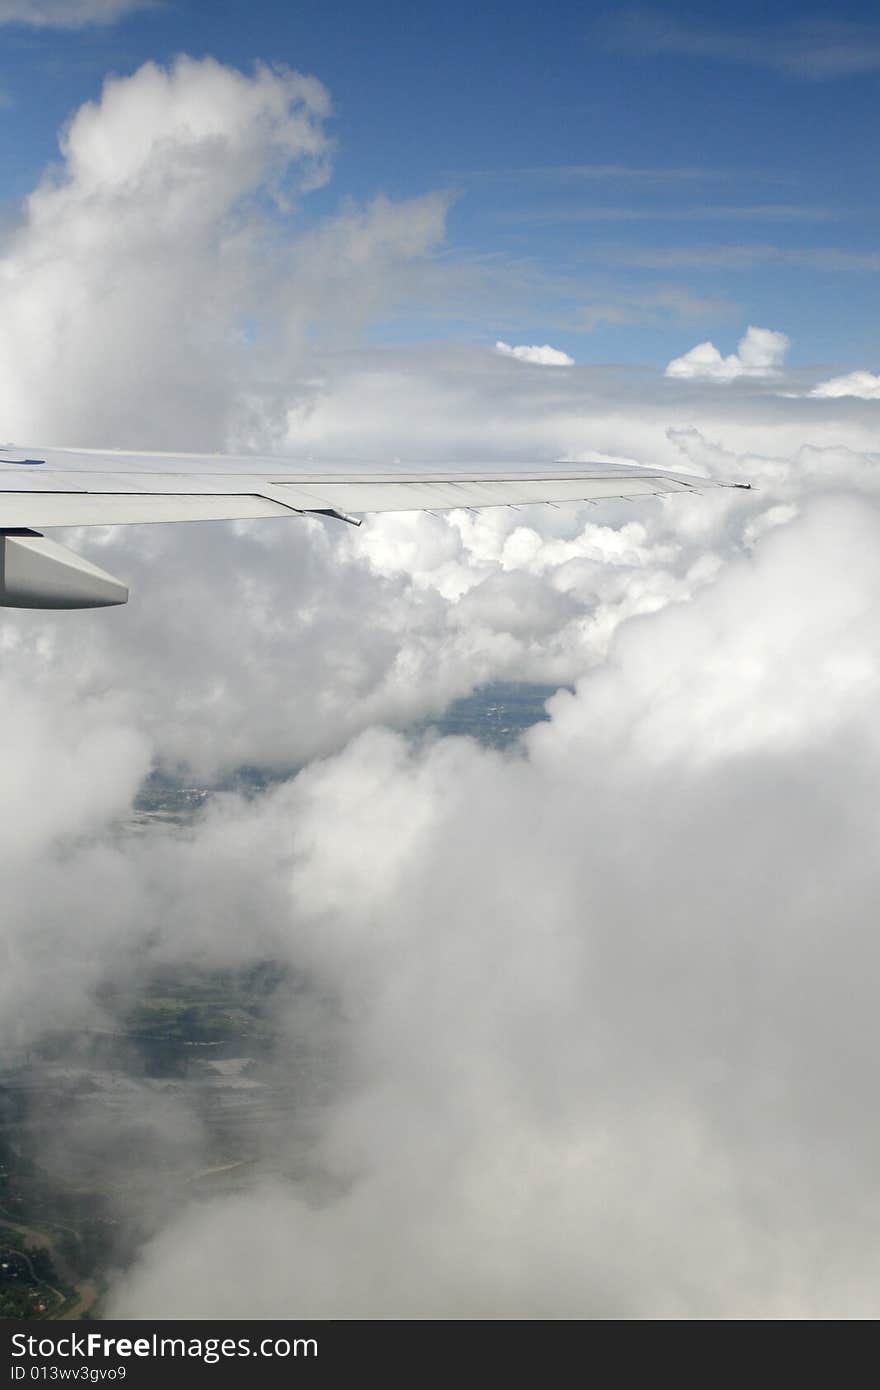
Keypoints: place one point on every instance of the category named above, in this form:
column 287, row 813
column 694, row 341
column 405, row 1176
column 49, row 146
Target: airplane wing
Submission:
column 74, row 487
column 46, row 487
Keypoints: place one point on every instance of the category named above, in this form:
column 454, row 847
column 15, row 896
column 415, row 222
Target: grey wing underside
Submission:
column 43, row 487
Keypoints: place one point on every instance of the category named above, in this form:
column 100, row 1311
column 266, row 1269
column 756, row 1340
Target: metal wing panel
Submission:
column 37, row 510
column 58, row 487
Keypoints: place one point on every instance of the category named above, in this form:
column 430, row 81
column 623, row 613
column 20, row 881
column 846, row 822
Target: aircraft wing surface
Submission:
column 74, row 487
column 45, row 487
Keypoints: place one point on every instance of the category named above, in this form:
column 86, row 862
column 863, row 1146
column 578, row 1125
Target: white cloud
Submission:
column 68, row 14
column 147, row 223
column 545, row 356
column 172, row 212
column 566, row 1044
column 761, row 353
column 864, row 385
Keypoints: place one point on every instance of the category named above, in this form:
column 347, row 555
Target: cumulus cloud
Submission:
column 761, row 353
column 161, row 262
column 144, row 224
column 652, row 1105
column 68, row 14
column 865, row 385
column 545, row 356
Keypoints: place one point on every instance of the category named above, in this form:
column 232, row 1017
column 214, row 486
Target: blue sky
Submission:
column 628, row 181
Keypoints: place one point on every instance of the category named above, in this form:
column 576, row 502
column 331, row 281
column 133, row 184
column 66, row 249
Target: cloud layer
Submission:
column 608, row 1007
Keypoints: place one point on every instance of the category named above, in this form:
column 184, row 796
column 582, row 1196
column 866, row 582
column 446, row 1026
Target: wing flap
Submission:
column 480, row 492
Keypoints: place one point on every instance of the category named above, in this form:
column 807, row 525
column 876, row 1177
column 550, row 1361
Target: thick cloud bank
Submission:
column 612, row 1006
column 605, row 1010
column 589, row 1027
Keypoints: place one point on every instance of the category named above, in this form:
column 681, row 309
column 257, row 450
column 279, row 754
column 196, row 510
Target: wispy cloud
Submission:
column 69, row 14
column 712, row 258
column 670, row 303
column 760, row 212
column 518, row 294
column 578, row 173
column 808, row 48
column 613, row 173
